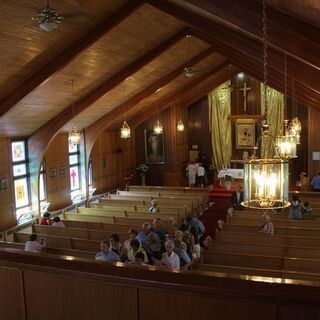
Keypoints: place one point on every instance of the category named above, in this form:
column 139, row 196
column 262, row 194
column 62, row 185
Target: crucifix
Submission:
column 73, row 176
column 245, row 89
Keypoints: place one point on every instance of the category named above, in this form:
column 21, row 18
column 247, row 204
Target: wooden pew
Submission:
column 87, row 218
column 78, row 233
column 62, row 242
column 243, row 260
column 258, row 215
column 189, row 203
column 56, row 251
column 99, row 226
column 236, row 270
column 126, row 214
column 171, row 189
column 138, row 209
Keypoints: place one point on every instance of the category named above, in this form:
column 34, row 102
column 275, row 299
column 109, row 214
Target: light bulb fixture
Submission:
column 180, row 126
column 125, row 130
column 266, row 182
column 287, row 143
column 158, row 127
column 74, row 136
column 295, row 129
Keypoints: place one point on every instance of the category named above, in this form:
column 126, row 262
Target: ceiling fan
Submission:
column 48, row 18
column 189, row 71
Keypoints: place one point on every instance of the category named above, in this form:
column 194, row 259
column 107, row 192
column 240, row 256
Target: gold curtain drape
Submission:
column 275, row 114
column 219, row 125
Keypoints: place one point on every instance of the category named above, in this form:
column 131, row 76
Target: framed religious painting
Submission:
column 245, row 134
column 154, row 146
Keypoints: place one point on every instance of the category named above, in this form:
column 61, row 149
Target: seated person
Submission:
column 303, row 183
column 136, row 247
column 149, row 240
column 181, row 249
column 237, row 198
column 295, row 211
column 106, row 254
column 33, row 245
column 45, row 221
column 169, row 258
column 315, row 183
column 57, row 223
column 139, row 259
column 115, row 244
column 267, row 225
column 157, row 228
column 154, row 206
column 306, row 208
column 192, row 221
column 132, row 235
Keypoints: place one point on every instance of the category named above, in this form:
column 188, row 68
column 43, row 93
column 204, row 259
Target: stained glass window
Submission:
column 74, row 171
column 18, row 151
column 21, row 178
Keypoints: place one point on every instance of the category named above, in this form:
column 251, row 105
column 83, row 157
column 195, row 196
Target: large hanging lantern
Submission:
column 180, row 126
column 266, row 180
column 74, row 136
column 158, row 127
column 125, row 131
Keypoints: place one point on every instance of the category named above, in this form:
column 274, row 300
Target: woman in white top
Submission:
column 33, row 245
column 201, row 175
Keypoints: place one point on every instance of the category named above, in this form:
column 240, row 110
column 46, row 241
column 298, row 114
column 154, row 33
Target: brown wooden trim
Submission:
column 284, row 31
column 116, row 114
column 67, row 55
column 249, row 46
column 168, row 100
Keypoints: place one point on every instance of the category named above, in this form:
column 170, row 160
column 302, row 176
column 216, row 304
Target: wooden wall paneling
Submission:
column 303, row 72
column 174, row 305
column 7, row 207
column 297, row 312
column 11, row 294
column 314, row 142
column 104, row 162
column 58, row 188
column 67, row 55
column 77, row 299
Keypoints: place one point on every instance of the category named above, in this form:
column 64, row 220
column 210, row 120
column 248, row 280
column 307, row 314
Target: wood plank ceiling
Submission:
column 108, row 75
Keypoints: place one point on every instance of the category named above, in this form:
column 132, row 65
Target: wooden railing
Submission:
column 36, row 286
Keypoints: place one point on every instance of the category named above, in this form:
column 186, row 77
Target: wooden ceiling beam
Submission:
column 224, row 72
column 285, row 33
column 53, row 126
column 240, row 58
column 94, row 130
column 68, row 54
column 249, row 46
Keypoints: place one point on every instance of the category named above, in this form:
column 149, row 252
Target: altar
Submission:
column 236, row 174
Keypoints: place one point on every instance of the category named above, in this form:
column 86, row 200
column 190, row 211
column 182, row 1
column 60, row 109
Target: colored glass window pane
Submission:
column 18, row 151
column 19, row 170
column 21, row 192
column 74, row 178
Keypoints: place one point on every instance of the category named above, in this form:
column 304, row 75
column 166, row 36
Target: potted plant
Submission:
column 228, row 181
column 143, row 169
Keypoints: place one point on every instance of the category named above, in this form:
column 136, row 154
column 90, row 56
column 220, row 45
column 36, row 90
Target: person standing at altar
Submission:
column 237, row 198
column 191, row 173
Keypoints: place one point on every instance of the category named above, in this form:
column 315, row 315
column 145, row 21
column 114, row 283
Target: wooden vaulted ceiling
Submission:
column 128, row 56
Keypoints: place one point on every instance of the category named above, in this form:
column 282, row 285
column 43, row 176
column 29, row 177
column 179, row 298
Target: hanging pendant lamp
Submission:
column 180, row 126
column 158, row 129
column 266, row 178
column 74, row 136
column 125, row 130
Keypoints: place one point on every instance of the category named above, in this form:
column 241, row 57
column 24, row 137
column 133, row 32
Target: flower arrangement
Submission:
column 143, row 168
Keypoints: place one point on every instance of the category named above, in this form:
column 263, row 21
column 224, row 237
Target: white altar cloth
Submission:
column 235, row 173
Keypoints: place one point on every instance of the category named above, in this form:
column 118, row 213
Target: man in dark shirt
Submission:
column 237, row 198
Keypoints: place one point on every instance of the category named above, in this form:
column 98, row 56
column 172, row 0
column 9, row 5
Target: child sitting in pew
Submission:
column 306, row 208
column 267, row 226
column 154, row 206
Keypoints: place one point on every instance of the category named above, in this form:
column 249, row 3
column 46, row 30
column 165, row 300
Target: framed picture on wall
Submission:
column 52, row 173
column 154, row 146
column 245, row 134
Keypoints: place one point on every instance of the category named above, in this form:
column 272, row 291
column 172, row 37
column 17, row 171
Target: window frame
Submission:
column 77, row 165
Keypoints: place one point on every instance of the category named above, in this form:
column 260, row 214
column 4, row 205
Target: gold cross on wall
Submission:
column 245, row 89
